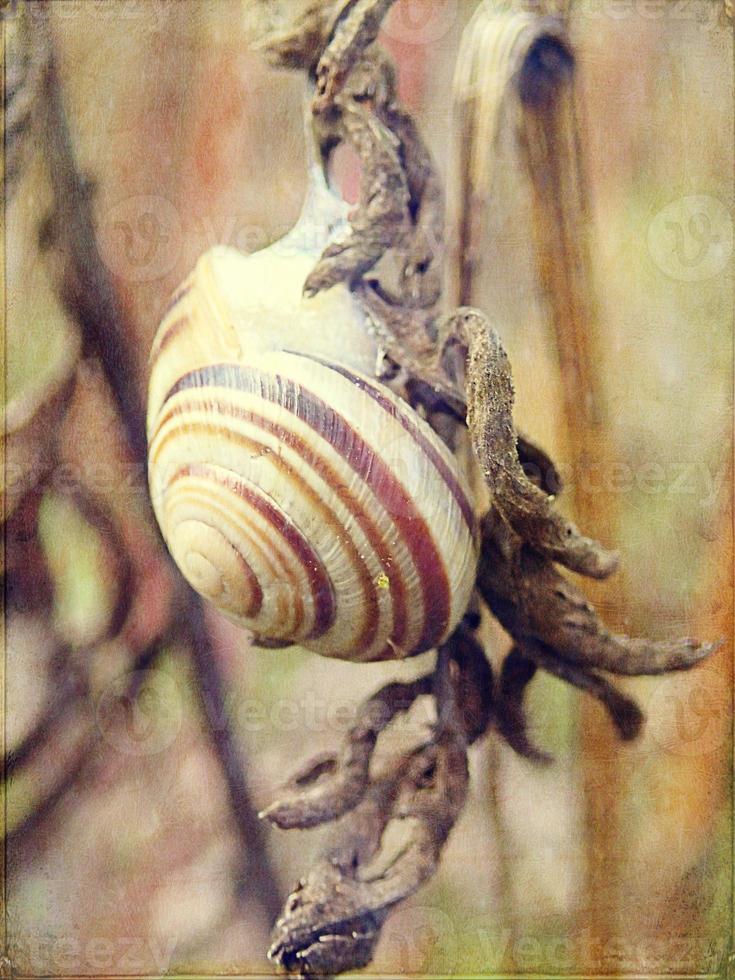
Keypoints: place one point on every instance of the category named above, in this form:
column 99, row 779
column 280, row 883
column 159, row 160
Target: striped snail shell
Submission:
column 306, row 500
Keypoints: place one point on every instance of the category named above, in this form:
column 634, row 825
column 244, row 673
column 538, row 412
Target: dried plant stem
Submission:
column 520, row 67
column 85, row 284
column 258, row 880
column 508, row 921
column 552, row 153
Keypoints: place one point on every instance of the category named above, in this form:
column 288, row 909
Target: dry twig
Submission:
column 90, row 297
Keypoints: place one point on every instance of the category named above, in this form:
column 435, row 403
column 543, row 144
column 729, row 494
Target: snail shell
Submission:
column 306, row 500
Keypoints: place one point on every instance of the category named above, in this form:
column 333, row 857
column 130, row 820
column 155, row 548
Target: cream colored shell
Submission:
column 304, row 499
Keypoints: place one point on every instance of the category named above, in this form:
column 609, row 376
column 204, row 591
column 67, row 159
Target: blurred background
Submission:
column 132, row 845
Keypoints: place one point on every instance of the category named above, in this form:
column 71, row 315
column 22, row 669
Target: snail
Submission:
column 305, row 499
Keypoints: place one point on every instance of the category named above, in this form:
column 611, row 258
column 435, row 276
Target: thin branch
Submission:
column 356, row 28
column 90, row 296
column 82, row 759
column 70, row 692
column 85, row 285
column 259, row 879
column 102, row 519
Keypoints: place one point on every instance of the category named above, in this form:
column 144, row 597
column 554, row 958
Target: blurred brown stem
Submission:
column 259, row 879
column 552, row 154
column 84, row 282
column 517, row 68
column 89, row 294
column 82, row 759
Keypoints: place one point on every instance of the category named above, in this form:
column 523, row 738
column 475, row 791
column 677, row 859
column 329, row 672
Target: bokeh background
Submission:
column 124, row 853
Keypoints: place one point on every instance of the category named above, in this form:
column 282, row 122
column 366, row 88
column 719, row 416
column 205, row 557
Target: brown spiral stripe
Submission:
column 345, row 440
column 223, row 410
column 330, row 511
column 424, row 445
column 208, row 508
column 170, row 327
column 319, row 584
column 254, row 591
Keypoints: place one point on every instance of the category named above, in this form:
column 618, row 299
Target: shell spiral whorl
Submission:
column 306, row 500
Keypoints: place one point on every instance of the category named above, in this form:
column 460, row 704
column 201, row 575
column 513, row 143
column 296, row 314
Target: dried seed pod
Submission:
column 308, row 501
